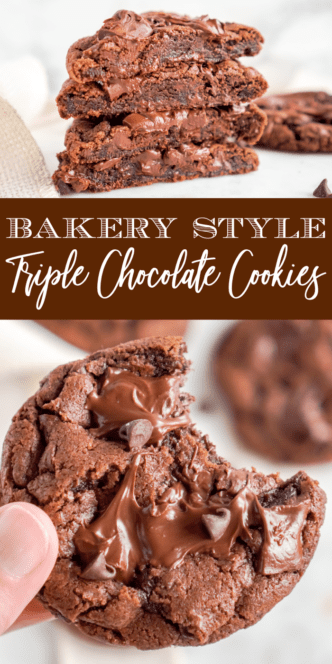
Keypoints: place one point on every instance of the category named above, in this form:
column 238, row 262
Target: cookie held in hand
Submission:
column 161, row 541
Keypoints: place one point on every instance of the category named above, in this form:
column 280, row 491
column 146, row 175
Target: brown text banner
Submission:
column 166, row 258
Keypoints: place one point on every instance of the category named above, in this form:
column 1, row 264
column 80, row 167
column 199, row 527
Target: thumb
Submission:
column 28, row 551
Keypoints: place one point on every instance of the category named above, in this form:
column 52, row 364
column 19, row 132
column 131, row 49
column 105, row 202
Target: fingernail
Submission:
column 23, row 541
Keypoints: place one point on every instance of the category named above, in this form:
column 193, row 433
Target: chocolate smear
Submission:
column 125, row 397
column 97, row 570
column 127, row 537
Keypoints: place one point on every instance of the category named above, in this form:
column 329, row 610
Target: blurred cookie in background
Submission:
column 92, row 335
column 277, row 378
column 298, row 122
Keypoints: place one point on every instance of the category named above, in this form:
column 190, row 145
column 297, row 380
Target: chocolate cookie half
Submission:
column 277, row 377
column 189, row 161
column 136, row 149
column 161, row 541
column 111, row 138
column 299, row 122
column 171, row 88
column 128, row 44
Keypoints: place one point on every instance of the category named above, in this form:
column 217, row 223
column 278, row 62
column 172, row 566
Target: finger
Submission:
column 28, row 551
column 34, row 613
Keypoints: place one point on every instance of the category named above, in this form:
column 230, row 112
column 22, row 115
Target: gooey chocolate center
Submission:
column 127, row 537
column 187, row 518
column 125, row 397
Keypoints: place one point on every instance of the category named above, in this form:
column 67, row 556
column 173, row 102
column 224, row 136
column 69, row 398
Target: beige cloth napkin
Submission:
column 23, row 172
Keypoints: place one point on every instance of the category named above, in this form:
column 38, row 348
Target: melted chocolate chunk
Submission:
column 201, row 24
column 97, row 570
column 137, row 433
column 114, row 535
column 282, row 540
column 125, row 396
column 127, row 536
column 127, row 25
column 216, row 524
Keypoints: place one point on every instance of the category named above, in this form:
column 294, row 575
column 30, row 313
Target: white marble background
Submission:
column 296, row 631
column 35, row 35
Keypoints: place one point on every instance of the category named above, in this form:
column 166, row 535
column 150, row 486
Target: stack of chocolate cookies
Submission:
column 159, row 98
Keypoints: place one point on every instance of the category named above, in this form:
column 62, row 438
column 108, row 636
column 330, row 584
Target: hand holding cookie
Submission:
column 28, row 551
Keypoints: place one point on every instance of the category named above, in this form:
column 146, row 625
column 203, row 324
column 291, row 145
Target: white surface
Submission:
column 72, row 644
column 31, row 94
column 33, row 645
column 297, row 631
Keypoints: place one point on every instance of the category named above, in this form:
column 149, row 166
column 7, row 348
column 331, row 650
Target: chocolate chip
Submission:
column 136, row 433
column 64, row 189
column 216, row 524
column 323, row 190
column 98, row 569
column 104, row 34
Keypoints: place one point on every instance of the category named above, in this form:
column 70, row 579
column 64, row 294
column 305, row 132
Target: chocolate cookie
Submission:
column 277, row 376
column 161, row 541
column 171, row 97
column 187, row 162
column 174, row 87
column 129, row 44
column 90, row 335
column 111, row 138
column 300, row 122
